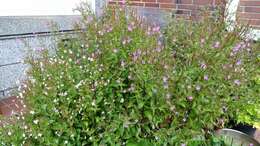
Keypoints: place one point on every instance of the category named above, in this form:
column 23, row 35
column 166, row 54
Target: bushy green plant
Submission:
column 220, row 71
column 250, row 113
column 120, row 83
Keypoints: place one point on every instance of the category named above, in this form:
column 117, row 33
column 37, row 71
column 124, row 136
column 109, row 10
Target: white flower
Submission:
column 55, row 100
column 33, row 81
column 63, row 94
column 115, row 50
column 122, row 100
column 32, row 112
column 168, row 96
column 79, row 84
column 21, row 95
column 39, row 134
column 45, row 93
column 9, row 133
column 66, row 142
column 90, row 59
column 93, row 103
column 198, row 87
column 36, row 121
column 55, row 110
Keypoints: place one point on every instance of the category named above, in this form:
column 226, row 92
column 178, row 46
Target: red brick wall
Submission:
column 186, row 7
column 249, row 12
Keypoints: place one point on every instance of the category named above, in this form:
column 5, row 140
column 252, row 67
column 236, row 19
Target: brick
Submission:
column 220, row 2
column 250, row 3
column 113, row 3
column 9, row 105
column 249, row 15
column 166, row 1
column 241, row 9
column 187, row 7
column 136, row 4
column 254, row 22
column 186, row 2
column 252, row 9
column 171, row 6
column 6, row 111
column 203, row 2
column 248, row 10
column 151, row 5
column 149, row 1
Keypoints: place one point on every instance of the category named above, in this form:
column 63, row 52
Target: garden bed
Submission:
column 151, row 86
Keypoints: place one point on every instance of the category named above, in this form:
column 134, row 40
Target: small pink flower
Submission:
column 239, row 62
column 156, row 29
column 130, row 28
column 149, row 31
column 203, row 66
column 158, row 49
column 189, row 98
column 217, row 44
column 202, row 41
column 206, row 77
column 237, row 82
column 40, row 49
column 236, row 48
column 89, row 19
column 123, row 64
column 109, row 29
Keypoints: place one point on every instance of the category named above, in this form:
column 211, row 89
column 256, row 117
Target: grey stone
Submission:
column 15, row 49
column 153, row 15
column 9, row 75
column 29, row 24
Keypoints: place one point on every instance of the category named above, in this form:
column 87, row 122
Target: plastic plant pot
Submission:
column 236, row 138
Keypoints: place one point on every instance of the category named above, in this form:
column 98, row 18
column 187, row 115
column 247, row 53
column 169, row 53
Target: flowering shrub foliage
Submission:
column 120, row 83
column 250, row 113
column 219, row 69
